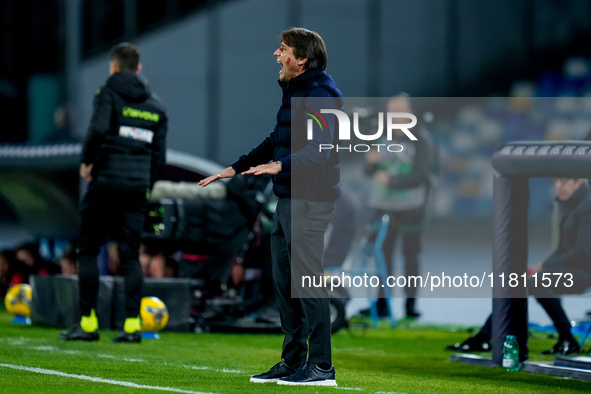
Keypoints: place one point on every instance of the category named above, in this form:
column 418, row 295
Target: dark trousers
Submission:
column 118, row 213
column 553, row 308
column 297, row 247
column 548, row 298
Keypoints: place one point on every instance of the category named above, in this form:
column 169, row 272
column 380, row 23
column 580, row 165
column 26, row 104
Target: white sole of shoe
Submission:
column 257, row 380
column 328, row 382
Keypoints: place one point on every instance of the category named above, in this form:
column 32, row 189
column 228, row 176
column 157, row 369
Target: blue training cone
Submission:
column 150, row 335
column 18, row 319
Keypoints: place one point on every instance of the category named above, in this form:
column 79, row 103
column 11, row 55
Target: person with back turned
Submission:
column 122, row 156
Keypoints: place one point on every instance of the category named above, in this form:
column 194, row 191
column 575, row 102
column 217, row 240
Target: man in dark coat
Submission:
column 571, row 259
column 305, row 178
column 124, row 151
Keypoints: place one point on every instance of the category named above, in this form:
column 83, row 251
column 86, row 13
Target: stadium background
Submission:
column 211, row 62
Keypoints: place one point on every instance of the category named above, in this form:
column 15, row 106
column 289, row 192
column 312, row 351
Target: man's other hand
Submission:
column 225, row 173
column 86, row 171
column 271, row 169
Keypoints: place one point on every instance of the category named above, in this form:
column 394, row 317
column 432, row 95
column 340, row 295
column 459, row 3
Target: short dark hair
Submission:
column 126, row 55
column 306, row 44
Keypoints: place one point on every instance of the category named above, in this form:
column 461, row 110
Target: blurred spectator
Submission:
column 64, row 125
column 171, row 268
column 68, row 261
column 31, row 263
column 155, row 264
column 570, row 260
column 401, row 188
column 8, row 265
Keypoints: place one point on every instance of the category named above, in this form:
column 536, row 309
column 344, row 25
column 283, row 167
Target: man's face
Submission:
column 565, row 187
column 290, row 66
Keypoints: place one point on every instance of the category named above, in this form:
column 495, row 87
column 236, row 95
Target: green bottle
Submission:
column 511, row 354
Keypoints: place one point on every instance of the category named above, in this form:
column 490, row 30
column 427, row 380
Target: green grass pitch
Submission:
column 367, row 361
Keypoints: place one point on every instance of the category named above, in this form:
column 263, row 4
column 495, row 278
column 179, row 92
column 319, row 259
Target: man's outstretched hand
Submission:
column 225, row 173
column 271, row 169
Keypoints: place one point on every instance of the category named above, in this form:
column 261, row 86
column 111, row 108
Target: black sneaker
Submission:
column 277, row 371
column 381, row 306
column 411, row 311
column 76, row 333
column 310, row 375
column 130, row 337
column 564, row 347
column 472, row 344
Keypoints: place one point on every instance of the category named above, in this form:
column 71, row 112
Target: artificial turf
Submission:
column 404, row 360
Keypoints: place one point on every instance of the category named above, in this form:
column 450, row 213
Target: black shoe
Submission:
column 310, row 375
column 76, row 333
column 381, row 306
column 564, row 347
column 411, row 312
column 472, row 344
column 130, row 337
column 277, row 371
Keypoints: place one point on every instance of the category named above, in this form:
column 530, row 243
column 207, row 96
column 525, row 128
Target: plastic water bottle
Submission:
column 511, row 354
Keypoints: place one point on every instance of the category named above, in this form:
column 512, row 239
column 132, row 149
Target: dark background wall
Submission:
column 211, row 61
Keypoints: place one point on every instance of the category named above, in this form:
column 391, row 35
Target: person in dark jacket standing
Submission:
column 305, row 179
column 571, row 260
column 123, row 153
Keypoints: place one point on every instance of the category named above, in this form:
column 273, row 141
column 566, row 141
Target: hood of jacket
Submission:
column 129, row 85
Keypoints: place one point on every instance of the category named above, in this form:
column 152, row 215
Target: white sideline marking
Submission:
column 388, row 392
column 48, row 348
column 99, row 380
column 15, row 341
column 54, row 349
column 131, row 360
column 225, row 370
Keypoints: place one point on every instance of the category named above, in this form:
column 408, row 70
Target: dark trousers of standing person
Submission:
column 576, row 282
column 118, row 212
column 553, row 308
column 547, row 298
column 297, row 247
